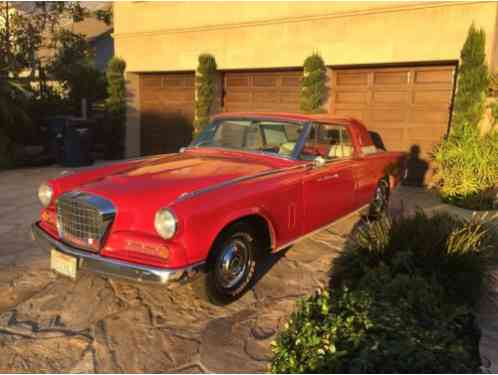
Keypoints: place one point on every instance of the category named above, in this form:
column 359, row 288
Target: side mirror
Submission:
column 318, row 162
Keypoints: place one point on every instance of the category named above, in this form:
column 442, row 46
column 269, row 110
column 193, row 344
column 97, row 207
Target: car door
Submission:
column 328, row 193
column 328, row 187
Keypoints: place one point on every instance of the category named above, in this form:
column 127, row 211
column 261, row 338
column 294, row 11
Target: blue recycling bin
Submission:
column 70, row 140
column 78, row 143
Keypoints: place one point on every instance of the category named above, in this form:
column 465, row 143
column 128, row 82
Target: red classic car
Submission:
column 250, row 183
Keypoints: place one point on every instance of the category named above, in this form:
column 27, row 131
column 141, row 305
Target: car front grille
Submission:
column 83, row 219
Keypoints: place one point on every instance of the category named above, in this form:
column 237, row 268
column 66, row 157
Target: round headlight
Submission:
column 165, row 223
column 45, row 193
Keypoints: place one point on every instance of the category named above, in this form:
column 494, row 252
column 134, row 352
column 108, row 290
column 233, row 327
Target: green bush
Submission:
column 205, row 86
column 400, row 300
column 466, row 168
column 466, row 163
column 473, row 80
column 313, row 84
column 116, row 108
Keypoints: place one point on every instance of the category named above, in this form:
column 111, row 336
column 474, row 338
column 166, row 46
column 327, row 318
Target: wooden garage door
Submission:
column 407, row 107
column 262, row 91
column 166, row 110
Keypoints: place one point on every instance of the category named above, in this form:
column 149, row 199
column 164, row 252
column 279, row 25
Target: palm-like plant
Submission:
column 13, row 118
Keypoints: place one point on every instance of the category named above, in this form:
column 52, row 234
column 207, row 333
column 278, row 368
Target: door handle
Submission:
column 329, row 177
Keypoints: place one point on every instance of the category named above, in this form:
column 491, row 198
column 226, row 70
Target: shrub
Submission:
column 400, row 300
column 466, row 168
column 116, row 108
column 466, row 164
column 205, row 86
column 15, row 124
column 313, row 84
column 473, row 80
column 455, row 252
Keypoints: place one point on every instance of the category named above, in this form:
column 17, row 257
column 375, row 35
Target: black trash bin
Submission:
column 56, row 127
column 78, row 142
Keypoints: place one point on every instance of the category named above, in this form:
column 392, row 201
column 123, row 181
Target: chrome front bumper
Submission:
column 113, row 267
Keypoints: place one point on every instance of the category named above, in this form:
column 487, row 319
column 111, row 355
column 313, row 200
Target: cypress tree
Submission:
column 313, row 88
column 473, row 81
column 116, row 107
column 205, row 90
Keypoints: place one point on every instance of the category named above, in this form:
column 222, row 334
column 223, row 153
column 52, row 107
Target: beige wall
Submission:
column 170, row 36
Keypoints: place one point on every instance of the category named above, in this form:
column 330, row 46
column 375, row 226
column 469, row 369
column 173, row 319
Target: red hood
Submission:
column 161, row 180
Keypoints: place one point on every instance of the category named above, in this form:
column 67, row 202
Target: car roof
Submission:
column 286, row 116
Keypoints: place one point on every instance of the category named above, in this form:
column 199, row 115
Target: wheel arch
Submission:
column 256, row 219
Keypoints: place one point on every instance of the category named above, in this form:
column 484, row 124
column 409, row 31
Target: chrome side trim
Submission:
column 112, row 267
column 185, row 196
column 290, row 243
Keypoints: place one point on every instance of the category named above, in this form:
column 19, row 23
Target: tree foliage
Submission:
column 466, row 163
column 24, row 32
column 116, row 107
column 313, row 84
column 473, row 80
column 73, row 66
column 14, row 122
column 205, row 87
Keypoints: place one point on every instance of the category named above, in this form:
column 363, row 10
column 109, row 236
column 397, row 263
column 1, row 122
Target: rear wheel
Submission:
column 231, row 264
column 380, row 200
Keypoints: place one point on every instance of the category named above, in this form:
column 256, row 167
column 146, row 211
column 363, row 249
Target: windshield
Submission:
column 252, row 135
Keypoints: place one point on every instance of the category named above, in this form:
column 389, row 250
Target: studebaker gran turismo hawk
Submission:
column 250, row 183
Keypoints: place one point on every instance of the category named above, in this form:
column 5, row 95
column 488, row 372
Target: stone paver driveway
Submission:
column 52, row 324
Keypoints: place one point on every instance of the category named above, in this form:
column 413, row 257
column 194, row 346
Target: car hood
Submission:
column 161, row 180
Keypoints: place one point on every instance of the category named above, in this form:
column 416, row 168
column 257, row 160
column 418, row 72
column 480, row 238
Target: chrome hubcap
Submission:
column 232, row 263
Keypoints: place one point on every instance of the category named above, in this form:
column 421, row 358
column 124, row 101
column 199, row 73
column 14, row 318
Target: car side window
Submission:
column 328, row 141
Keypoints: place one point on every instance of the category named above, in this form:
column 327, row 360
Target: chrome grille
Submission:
column 83, row 219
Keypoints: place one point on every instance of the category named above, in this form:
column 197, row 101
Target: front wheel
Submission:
column 380, row 200
column 231, row 265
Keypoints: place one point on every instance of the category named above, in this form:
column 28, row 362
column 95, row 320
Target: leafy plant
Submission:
column 400, row 300
column 116, row 107
column 15, row 124
column 466, row 168
column 473, row 80
column 313, row 85
column 205, row 90
column 73, row 66
column 466, row 164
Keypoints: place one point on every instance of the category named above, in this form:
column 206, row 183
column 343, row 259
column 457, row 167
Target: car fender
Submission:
column 234, row 216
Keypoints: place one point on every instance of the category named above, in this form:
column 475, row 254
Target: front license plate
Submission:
column 64, row 264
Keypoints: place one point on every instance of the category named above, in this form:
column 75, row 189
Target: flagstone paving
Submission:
column 52, row 324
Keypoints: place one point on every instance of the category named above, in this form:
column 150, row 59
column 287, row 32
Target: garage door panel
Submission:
column 352, row 79
column 234, row 81
column 238, row 97
column 397, row 116
column 265, row 97
column 432, row 97
column 428, row 116
column 405, row 106
column 390, row 97
column 349, row 97
column 433, row 76
column 166, row 111
column 397, row 78
column 265, row 81
column 426, row 133
column 262, row 91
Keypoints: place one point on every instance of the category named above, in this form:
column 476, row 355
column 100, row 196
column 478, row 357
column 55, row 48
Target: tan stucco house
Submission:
column 391, row 64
